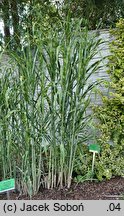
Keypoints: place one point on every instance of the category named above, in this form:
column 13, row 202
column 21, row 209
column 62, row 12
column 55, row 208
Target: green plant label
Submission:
column 7, row 185
column 94, row 148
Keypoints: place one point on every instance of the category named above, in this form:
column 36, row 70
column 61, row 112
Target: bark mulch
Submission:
column 89, row 190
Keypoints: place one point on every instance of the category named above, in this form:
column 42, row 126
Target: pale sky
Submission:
column 1, row 27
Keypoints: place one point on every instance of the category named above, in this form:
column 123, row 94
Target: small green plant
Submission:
column 83, row 164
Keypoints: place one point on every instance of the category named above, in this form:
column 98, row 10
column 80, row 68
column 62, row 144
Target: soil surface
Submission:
column 89, row 190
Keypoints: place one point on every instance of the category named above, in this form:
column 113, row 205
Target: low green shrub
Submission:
column 110, row 163
column 111, row 114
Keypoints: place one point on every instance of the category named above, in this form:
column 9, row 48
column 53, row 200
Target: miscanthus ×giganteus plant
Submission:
column 44, row 98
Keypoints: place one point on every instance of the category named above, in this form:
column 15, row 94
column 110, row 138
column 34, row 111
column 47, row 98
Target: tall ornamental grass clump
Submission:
column 44, row 97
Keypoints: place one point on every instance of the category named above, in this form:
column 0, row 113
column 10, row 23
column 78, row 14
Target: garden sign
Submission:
column 7, row 185
column 95, row 148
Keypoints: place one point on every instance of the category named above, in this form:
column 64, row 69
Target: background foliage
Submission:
column 19, row 16
column 103, row 13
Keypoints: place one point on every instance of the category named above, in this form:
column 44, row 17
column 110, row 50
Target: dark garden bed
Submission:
column 110, row 189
